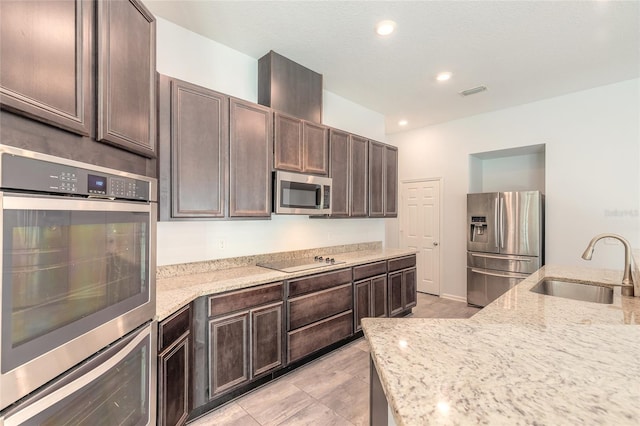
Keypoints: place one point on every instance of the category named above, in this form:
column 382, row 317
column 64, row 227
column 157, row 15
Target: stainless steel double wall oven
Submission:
column 77, row 340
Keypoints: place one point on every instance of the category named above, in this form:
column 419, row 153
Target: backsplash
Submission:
column 168, row 271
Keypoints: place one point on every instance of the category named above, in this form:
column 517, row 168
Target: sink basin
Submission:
column 576, row 291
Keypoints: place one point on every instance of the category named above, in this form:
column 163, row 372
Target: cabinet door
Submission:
column 250, row 151
column 379, row 297
column 173, row 384
column 228, row 352
column 339, row 166
column 390, row 181
column 126, row 76
column 409, row 288
column 315, row 149
column 199, row 143
column 266, row 338
column 361, row 303
column 45, row 61
column 288, row 149
column 358, row 158
column 395, row 293
column 376, row 179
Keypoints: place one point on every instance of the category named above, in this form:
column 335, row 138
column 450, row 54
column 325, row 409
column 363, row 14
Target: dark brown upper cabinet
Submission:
column 126, row 76
column 348, row 169
column 45, row 61
column 300, row 146
column 250, row 159
column 390, row 181
column 194, row 144
column 383, row 180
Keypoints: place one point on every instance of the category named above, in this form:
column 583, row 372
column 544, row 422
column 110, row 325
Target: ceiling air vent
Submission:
column 473, row 91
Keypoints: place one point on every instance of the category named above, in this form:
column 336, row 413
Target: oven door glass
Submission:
column 115, row 387
column 68, row 266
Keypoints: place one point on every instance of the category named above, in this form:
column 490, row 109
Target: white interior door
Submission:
column 420, row 230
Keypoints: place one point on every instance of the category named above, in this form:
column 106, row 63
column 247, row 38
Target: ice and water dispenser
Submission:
column 478, row 226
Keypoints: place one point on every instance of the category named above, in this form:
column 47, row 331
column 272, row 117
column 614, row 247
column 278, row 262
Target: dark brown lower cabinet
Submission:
column 228, row 352
column 243, row 346
column 313, row 337
column 266, row 339
column 369, row 300
column 174, row 368
column 320, row 312
column 402, row 291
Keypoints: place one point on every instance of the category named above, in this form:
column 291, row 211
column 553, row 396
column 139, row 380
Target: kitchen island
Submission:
column 526, row 358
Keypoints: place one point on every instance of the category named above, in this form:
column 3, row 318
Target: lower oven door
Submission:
column 77, row 275
column 115, row 387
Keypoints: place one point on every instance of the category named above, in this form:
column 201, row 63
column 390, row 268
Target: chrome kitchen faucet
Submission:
column 627, row 280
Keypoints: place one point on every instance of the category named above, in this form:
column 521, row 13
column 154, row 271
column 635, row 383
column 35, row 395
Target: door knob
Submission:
column 435, row 243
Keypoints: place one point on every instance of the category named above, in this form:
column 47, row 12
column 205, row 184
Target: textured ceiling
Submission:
column 522, row 51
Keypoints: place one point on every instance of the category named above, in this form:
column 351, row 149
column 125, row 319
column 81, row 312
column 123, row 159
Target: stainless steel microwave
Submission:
column 296, row 193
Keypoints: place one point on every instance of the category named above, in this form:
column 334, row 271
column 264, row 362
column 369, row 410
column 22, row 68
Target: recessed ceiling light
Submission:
column 403, row 123
column 444, row 76
column 384, row 28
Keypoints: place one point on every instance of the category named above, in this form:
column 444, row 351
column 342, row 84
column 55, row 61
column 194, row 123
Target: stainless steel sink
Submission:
column 576, row 291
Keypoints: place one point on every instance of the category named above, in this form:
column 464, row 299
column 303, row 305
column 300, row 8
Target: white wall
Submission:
column 191, row 57
column 592, row 141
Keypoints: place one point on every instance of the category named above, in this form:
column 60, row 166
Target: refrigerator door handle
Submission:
column 478, row 271
column 519, row 259
column 501, row 222
column 495, row 220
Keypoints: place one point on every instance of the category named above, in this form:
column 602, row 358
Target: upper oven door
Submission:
column 77, row 274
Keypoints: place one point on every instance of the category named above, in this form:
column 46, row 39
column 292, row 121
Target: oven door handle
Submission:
column 47, row 401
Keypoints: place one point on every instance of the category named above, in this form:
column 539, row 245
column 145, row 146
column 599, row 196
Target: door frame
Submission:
column 401, row 218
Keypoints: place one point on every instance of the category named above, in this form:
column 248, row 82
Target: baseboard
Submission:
column 454, row 297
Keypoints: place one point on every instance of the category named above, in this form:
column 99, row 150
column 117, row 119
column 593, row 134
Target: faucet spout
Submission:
column 627, row 280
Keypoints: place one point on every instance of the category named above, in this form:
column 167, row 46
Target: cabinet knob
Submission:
column 435, row 243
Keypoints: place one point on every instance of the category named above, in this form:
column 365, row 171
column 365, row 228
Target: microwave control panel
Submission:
column 50, row 177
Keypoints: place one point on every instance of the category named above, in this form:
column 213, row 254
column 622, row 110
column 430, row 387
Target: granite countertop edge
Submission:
column 175, row 292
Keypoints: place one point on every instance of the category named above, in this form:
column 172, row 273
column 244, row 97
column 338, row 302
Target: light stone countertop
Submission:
column 526, row 358
column 175, row 292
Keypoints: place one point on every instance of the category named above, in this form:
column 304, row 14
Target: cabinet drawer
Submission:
column 244, row 299
column 402, row 263
column 318, row 282
column 173, row 327
column 311, row 338
column 369, row 270
column 306, row 309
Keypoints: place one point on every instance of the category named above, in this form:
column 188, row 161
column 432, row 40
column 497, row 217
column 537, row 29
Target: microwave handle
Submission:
column 319, row 195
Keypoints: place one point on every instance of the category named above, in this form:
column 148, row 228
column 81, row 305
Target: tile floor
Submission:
column 332, row 390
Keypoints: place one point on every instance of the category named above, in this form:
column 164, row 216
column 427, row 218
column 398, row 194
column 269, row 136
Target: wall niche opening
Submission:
column 513, row 169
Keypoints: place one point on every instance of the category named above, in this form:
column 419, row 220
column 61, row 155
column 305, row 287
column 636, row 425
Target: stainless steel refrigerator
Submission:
column 505, row 242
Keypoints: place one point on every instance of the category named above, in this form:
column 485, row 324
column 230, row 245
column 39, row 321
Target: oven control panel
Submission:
column 30, row 174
